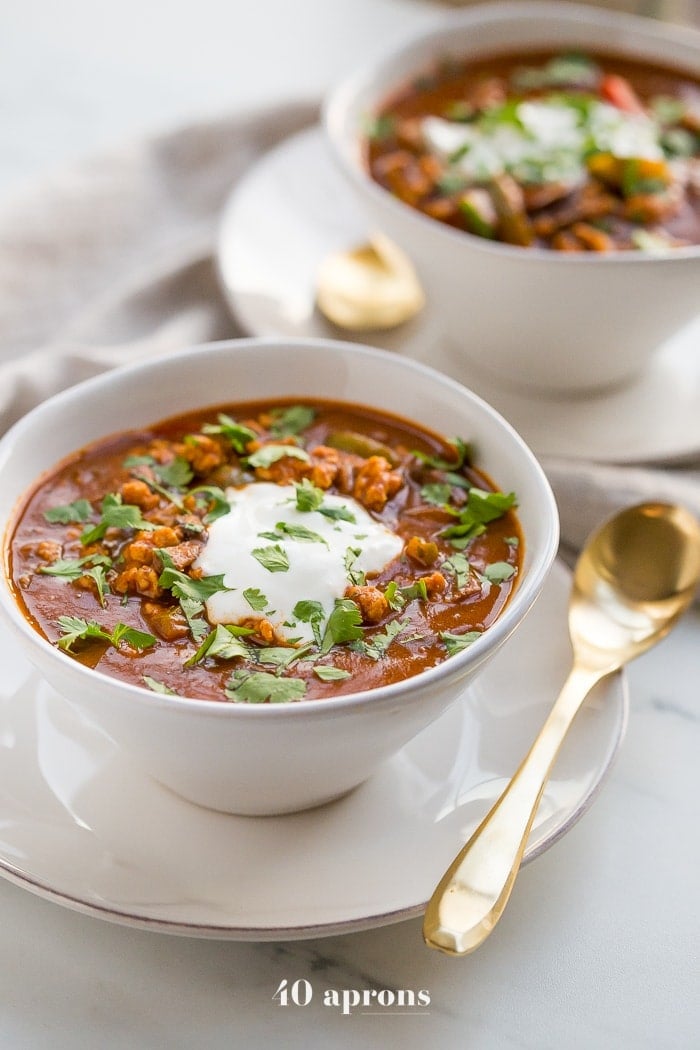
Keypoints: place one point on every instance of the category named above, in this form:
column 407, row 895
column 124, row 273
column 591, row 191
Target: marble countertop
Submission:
column 598, row 947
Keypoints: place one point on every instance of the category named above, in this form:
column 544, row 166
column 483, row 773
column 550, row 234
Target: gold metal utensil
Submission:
column 635, row 577
column 372, row 286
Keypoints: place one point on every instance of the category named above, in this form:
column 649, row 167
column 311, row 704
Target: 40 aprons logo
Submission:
column 366, row 1000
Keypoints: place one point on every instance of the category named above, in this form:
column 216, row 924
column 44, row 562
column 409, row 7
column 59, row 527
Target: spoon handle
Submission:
column 472, row 894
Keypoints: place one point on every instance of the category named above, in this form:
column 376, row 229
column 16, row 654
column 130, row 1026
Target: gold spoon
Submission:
column 635, row 577
column 372, row 286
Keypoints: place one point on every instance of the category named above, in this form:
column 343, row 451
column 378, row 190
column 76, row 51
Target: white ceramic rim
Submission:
column 340, row 99
column 516, row 608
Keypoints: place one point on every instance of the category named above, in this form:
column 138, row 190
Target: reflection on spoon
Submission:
column 636, row 575
column 372, row 286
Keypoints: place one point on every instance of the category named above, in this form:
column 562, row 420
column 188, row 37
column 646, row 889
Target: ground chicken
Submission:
column 375, row 483
column 139, row 494
column 370, row 601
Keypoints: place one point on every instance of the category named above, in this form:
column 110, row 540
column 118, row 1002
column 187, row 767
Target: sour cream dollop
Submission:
column 317, row 567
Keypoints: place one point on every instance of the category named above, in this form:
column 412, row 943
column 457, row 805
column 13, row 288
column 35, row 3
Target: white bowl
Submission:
column 533, row 317
column 271, row 758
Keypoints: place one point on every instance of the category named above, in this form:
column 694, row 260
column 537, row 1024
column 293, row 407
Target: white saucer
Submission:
column 293, row 208
column 80, row 826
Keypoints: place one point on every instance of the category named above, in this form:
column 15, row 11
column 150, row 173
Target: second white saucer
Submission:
column 293, row 208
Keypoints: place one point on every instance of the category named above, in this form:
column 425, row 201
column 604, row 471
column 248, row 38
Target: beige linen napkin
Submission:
column 112, row 261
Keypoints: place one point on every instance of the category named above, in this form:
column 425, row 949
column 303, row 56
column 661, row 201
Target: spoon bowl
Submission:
column 370, row 287
column 635, row 577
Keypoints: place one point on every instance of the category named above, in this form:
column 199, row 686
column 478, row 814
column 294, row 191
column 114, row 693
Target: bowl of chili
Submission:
column 263, row 566
column 540, row 165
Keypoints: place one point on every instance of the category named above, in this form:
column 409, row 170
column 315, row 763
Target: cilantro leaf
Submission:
column 499, row 571
column 341, row 513
column 177, row 474
column 376, row 646
column 97, row 573
column 223, row 643
column 482, row 507
column 74, row 568
column 78, row 511
column 255, row 598
column 292, row 420
column 269, row 454
column 116, row 515
column 394, row 596
column 437, row 494
column 280, row 656
column 133, row 637
column 310, row 612
column 75, row 629
column 273, row 558
column 300, row 533
column 216, row 501
column 259, row 687
column 158, row 687
column 343, row 625
column 309, row 497
column 459, row 566
column 356, row 576
column 455, row 643
column 328, row 673
column 184, row 586
column 192, row 609
column 418, row 589
column 238, row 434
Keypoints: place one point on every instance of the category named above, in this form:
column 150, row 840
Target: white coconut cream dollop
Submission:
column 304, row 556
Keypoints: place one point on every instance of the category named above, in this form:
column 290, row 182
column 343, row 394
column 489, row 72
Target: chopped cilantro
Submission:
column 343, row 625
column 482, row 507
column 459, row 566
column 158, row 687
column 455, row 643
column 223, row 643
column 216, row 501
column 338, row 514
column 273, row 558
column 238, row 434
column 177, row 474
column 376, row 646
column 255, row 598
column 74, row 568
column 394, row 596
column 328, row 673
column 356, row 576
column 75, row 629
column 379, row 128
column 437, row 493
column 300, row 533
column 310, row 612
column 259, row 687
column 115, row 514
column 192, row 609
column 269, row 454
column 309, row 497
column 498, row 571
column 280, row 656
column 418, row 589
column 184, row 586
column 78, row 511
column 292, row 420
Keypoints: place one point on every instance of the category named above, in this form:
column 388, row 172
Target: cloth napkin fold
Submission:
column 113, row 261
